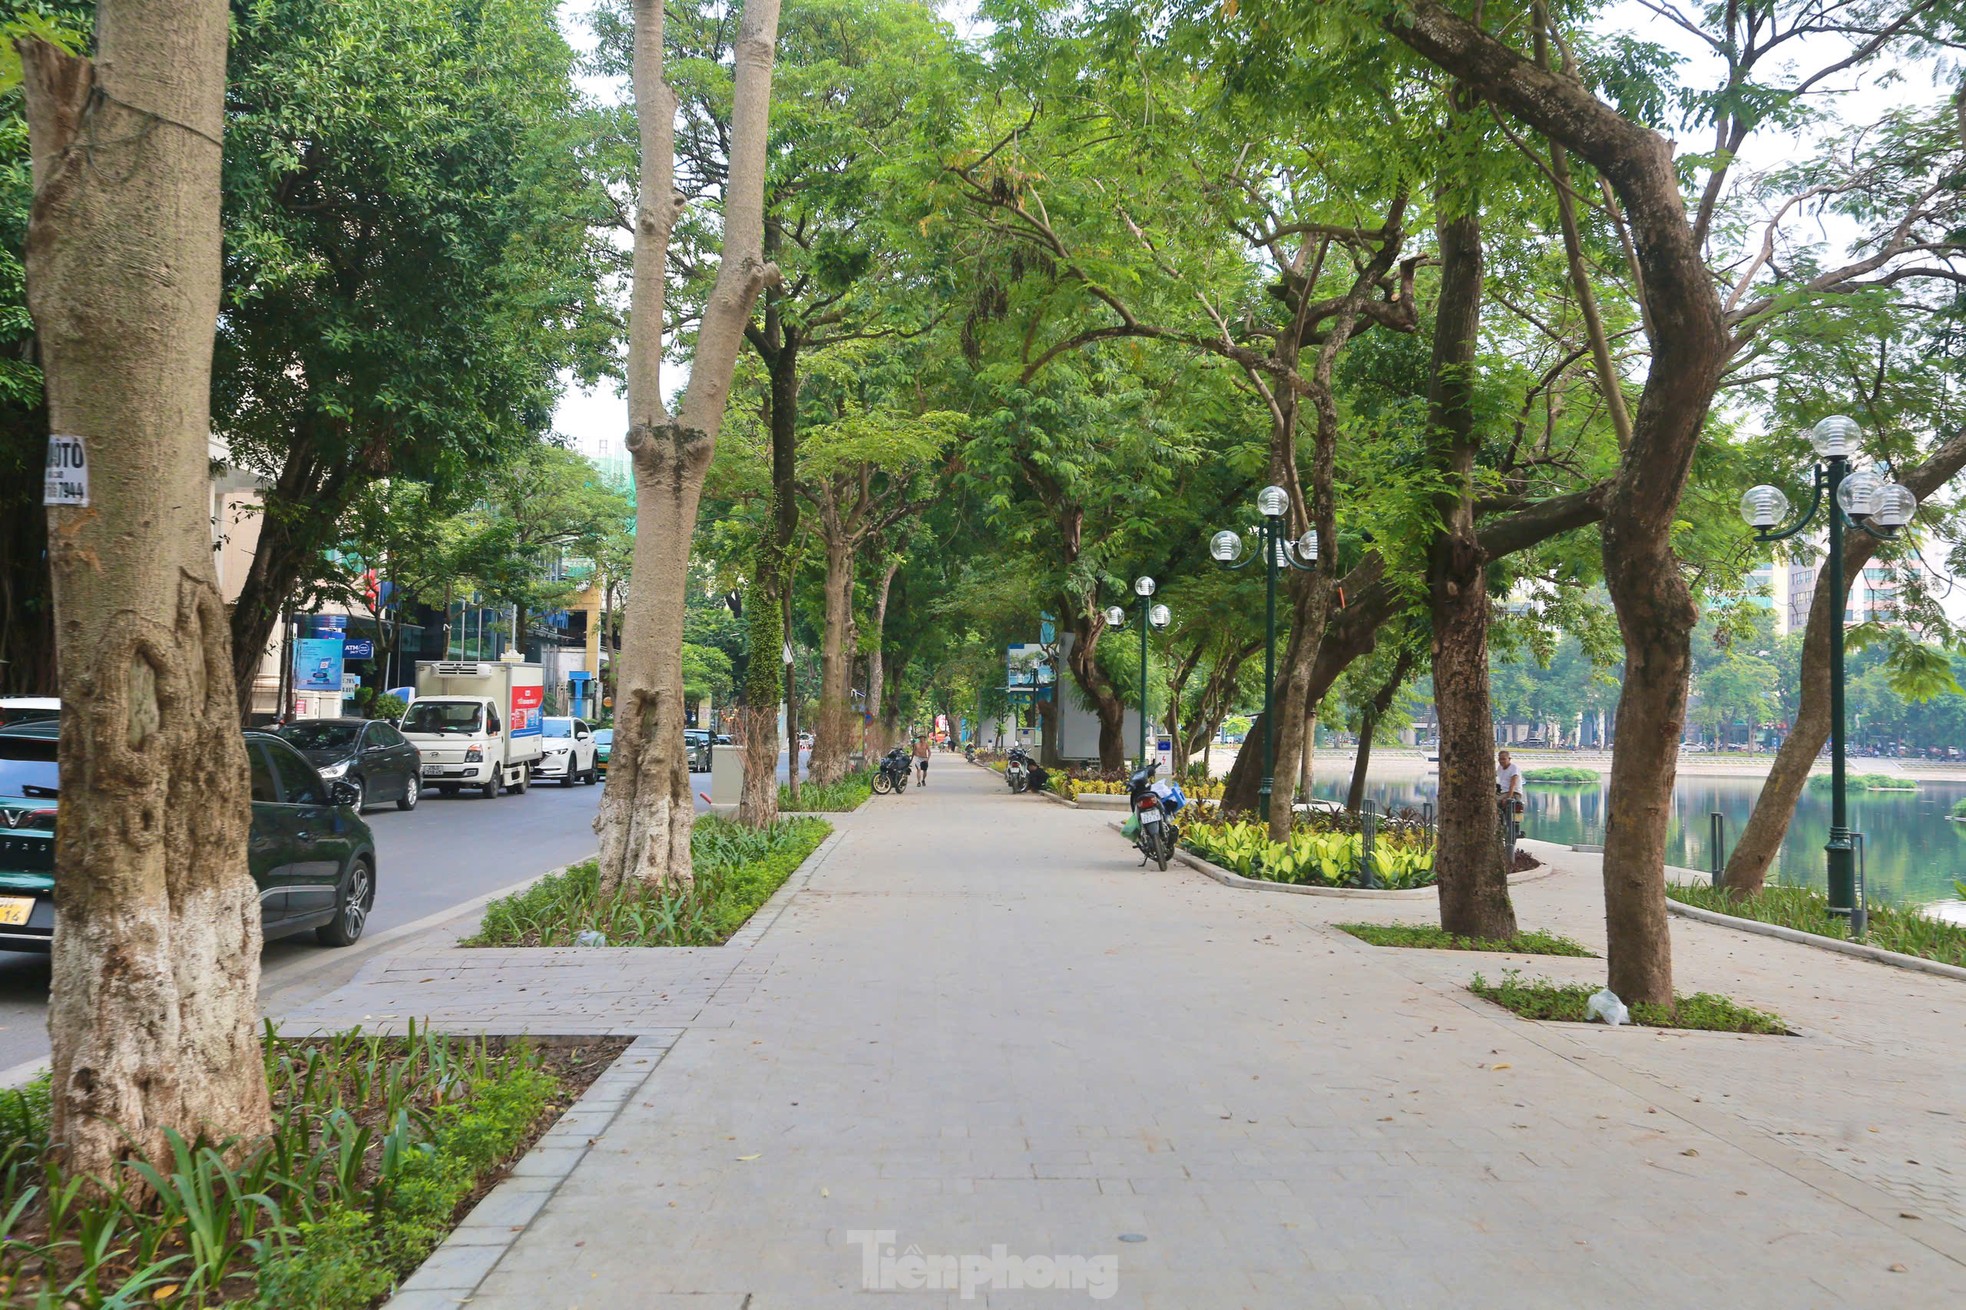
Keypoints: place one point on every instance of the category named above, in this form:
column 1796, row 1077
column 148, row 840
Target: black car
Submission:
column 368, row 754
column 310, row 854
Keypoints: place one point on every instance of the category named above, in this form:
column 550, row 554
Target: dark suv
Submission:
column 311, row 855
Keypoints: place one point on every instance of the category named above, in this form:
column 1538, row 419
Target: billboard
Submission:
column 525, row 719
column 1025, row 667
column 317, row 664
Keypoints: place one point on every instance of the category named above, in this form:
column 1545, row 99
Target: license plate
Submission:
column 15, row 909
column 433, row 770
column 1150, row 816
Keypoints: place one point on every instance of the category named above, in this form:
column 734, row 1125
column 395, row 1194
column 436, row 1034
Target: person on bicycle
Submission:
column 1508, row 802
column 921, row 761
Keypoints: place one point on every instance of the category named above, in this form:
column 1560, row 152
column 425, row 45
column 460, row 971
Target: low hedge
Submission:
column 737, row 870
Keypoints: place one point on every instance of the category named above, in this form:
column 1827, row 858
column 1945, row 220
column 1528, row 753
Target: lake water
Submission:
column 1912, row 856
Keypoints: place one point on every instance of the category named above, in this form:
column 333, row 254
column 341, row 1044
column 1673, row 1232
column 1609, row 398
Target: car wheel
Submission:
column 352, row 906
column 568, row 779
column 412, row 789
column 490, row 789
column 593, row 775
column 361, row 794
column 525, row 781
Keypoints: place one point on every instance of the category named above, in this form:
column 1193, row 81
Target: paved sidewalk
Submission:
column 980, row 1025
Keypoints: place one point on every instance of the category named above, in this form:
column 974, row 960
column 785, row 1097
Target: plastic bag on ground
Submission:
column 1605, row 1007
column 589, row 937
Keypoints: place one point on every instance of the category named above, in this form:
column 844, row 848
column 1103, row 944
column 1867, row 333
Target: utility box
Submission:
column 726, row 775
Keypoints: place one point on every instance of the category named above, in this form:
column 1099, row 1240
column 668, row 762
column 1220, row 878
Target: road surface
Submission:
column 446, row 852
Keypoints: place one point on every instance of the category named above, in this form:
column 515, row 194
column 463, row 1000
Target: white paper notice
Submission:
column 68, row 473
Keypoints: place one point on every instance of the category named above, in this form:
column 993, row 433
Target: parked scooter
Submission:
column 969, row 751
column 1017, row 769
column 1154, row 805
column 892, row 776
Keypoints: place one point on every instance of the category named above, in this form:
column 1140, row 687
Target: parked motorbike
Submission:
column 1017, row 769
column 1154, row 805
column 969, row 751
column 892, row 776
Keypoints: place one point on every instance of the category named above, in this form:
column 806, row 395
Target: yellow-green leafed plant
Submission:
column 1312, row 854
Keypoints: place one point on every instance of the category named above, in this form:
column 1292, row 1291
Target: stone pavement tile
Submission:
column 971, row 1049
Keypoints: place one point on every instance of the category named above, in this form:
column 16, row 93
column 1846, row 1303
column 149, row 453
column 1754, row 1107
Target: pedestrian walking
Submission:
column 1508, row 805
column 921, row 761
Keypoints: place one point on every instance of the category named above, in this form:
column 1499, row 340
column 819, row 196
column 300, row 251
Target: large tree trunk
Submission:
column 1690, row 346
column 647, row 811
column 1098, row 688
column 831, row 738
column 154, row 1017
column 1774, row 808
column 765, row 680
column 1468, row 858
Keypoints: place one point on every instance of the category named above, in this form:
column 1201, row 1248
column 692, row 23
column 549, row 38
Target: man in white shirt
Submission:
column 1508, row 801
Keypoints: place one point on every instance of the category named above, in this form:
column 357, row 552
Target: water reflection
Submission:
column 1913, row 853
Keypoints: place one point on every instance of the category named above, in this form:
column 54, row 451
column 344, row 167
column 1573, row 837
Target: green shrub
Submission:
column 1319, row 851
column 1890, row 928
column 1562, row 773
column 736, row 870
column 1538, row 998
column 1959, row 812
column 375, row 1143
column 1867, row 782
column 848, row 794
column 1432, row 937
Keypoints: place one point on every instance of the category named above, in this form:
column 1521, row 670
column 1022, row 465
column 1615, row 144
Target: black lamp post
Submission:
column 1151, row 616
column 1276, row 552
column 1868, row 503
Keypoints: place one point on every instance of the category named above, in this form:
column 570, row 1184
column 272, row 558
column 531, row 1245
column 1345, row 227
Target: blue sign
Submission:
column 317, row 664
column 357, row 648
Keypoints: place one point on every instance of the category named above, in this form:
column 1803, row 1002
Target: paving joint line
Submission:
column 1941, row 1235
column 432, row 1285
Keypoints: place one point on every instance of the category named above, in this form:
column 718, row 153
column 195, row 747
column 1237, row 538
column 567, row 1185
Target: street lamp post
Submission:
column 1276, row 552
column 1868, row 503
column 1151, row 616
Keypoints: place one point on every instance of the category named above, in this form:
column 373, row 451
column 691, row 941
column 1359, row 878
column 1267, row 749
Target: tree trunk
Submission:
column 830, row 738
column 1774, row 808
column 1099, row 689
column 1690, row 346
column 877, row 738
column 1382, row 701
column 1304, row 777
column 765, row 681
column 153, row 1019
column 1468, row 856
column 647, row 811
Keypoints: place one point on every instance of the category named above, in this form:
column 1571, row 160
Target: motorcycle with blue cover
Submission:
column 1152, row 806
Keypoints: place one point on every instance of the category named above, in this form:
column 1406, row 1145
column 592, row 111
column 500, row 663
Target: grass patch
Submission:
column 378, row 1146
column 1430, row 937
column 1866, row 782
column 737, row 869
column 1562, row 773
column 841, row 797
column 1539, row 998
column 1906, row 931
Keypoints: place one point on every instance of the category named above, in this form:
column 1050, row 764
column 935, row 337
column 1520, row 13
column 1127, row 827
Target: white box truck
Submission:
column 476, row 724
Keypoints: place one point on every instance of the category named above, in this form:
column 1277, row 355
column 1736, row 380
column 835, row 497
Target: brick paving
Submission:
column 977, row 1024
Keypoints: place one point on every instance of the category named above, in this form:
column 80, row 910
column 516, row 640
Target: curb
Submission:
column 452, row 1273
column 1876, row 954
